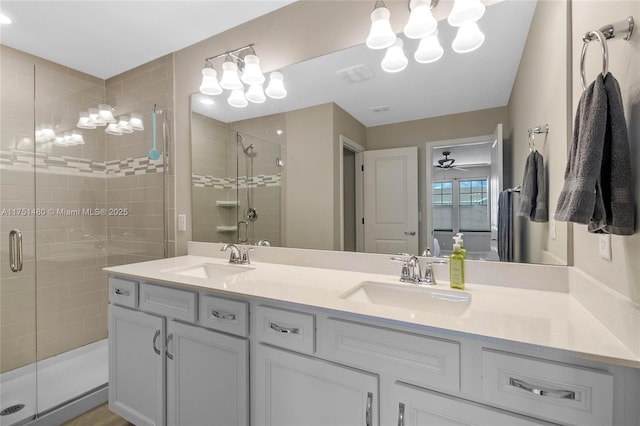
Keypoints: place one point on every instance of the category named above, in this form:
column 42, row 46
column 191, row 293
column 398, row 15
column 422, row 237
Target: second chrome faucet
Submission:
column 412, row 270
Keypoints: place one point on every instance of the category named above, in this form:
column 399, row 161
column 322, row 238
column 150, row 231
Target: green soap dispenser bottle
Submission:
column 461, row 242
column 456, row 268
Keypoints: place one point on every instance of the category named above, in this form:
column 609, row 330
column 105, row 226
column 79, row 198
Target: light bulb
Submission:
column 84, row 122
column 276, row 89
column 252, row 73
column 237, row 99
column 105, row 113
column 429, row 50
column 381, row 34
column 210, row 85
column 421, row 22
column 230, row 79
column 123, row 124
column 113, row 129
column 468, row 38
column 465, row 12
column 255, row 94
column 135, row 122
column 394, row 59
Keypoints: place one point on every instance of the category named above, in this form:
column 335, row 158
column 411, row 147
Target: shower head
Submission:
column 247, row 149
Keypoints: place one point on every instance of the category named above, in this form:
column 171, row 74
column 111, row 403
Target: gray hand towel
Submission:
column 615, row 208
column 533, row 197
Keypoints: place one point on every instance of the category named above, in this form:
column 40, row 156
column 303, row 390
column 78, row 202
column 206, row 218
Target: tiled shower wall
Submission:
column 106, row 172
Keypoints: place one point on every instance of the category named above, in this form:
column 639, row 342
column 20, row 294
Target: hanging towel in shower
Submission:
column 598, row 187
column 505, row 227
column 533, row 197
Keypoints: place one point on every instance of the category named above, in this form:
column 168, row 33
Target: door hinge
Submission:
column 362, row 167
column 363, row 220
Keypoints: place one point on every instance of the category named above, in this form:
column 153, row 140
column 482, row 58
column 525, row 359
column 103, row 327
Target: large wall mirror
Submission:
column 289, row 172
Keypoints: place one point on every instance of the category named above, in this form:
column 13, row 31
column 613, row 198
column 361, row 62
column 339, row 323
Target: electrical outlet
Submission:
column 552, row 229
column 604, row 246
column 182, row 222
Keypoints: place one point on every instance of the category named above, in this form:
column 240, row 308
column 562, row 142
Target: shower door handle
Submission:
column 15, row 250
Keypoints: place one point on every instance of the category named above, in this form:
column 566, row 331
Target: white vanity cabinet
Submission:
column 167, row 372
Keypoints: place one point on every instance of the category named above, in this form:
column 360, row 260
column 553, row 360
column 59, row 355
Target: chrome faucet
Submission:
column 412, row 271
column 236, row 257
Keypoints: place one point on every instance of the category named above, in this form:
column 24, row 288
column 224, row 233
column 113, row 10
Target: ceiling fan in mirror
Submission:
column 446, row 163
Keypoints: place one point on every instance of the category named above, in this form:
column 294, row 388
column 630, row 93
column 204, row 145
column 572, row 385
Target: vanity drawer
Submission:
column 229, row 316
column 123, row 292
column 169, row 302
column 562, row 393
column 412, row 358
column 286, row 329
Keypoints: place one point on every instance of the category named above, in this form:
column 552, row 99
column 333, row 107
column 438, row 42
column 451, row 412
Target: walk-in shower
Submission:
column 80, row 199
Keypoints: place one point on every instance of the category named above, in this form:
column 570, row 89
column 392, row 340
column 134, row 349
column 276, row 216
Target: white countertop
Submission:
column 534, row 317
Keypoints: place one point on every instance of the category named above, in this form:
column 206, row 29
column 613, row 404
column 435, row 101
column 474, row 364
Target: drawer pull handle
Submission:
column 369, row 413
column 155, row 338
column 537, row 390
column 401, row 414
column 122, row 292
column 226, row 316
column 283, row 330
column 166, row 346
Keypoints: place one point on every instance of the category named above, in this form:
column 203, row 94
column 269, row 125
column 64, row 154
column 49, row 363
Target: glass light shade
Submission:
column 106, row 113
column 76, row 138
column 47, row 134
column 429, row 50
column 84, row 122
column 468, row 38
column 395, row 60
column 421, row 22
column 230, row 79
column 60, row 141
column 113, row 129
column 123, row 123
column 237, row 99
column 276, row 89
column 252, row 73
column 94, row 117
column 381, row 34
column 465, row 12
column 255, row 94
column 210, row 85
column 135, row 122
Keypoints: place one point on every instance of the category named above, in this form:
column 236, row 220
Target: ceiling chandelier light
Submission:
column 423, row 26
column 242, row 60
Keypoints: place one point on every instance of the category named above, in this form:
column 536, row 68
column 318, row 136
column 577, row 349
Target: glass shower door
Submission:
column 18, row 211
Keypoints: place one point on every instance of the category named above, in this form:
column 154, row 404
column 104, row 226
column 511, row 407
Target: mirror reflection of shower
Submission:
column 248, row 210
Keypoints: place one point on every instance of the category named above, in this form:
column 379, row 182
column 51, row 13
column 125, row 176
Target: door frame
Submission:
column 351, row 145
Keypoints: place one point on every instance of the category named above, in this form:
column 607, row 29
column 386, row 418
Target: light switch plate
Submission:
column 182, row 222
column 604, row 246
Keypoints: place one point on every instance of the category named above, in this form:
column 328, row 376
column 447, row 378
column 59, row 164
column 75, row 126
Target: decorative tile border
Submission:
column 207, row 181
column 45, row 163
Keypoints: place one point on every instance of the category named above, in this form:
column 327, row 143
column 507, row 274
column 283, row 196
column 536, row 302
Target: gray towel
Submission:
column 533, row 197
column 597, row 188
column 505, row 227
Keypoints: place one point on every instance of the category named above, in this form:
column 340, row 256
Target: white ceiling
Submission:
column 107, row 37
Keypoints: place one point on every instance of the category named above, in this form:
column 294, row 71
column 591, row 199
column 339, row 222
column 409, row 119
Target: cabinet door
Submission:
column 293, row 389
column 136, row 366
column 207, row 377
column 413, row 406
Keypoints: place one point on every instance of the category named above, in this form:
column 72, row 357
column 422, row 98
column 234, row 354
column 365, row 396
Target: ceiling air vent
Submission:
column 381, row 108
column 355, row 74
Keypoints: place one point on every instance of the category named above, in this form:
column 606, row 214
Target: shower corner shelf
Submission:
column 227, row 203
column 231, row 228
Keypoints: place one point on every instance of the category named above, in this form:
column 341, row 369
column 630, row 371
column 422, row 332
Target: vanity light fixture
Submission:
column 245, row 88
column 103, row 116
column 422, row 25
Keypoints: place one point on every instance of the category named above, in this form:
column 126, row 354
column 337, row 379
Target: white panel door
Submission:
column 413, row 406
column 207, row 377
column 291, row 389
column 136, row 366
column 391, row 201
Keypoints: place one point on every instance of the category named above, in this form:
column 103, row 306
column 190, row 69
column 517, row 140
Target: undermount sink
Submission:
column 214, row 271
column 427, row 299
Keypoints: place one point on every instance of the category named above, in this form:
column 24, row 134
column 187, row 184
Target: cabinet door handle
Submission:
column 226, row 316
column 539, row 390
column 283, row 330
column 166, row 346
column 155, row 338
column 15, row 250
column 369, row 412
column 122, row 292
column 400, row 414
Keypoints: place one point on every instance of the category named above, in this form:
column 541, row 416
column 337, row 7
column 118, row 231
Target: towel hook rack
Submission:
column 538, row 130
column 609, row 31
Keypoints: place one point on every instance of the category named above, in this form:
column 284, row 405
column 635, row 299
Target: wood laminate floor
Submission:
column 99, row 416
